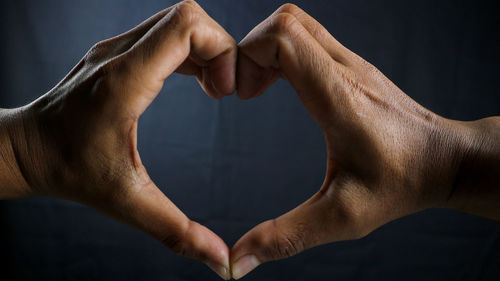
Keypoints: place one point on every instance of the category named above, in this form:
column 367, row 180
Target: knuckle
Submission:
column 367, row 66
column 101, row 46
column 284, row 244
column 186, row 12
column 287, row 246
column 102, row 52
column 289, row 8
column 175, row 243
column 190, row 3
column 283, row 23
column 183, row 243
column 97, row 52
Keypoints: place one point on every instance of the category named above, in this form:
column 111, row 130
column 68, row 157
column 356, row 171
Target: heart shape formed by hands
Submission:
column 96, row 162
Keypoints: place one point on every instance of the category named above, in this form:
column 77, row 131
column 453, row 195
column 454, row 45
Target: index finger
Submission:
column 185, row 31
column 333, row 47
column 281, row 43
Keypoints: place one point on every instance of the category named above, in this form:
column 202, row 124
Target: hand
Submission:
column 387, row 155
column 78, row 142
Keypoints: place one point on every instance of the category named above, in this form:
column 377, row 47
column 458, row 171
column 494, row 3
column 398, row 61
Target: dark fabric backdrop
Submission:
column 231, row 164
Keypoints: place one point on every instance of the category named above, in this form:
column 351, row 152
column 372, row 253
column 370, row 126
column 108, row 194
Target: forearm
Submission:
column 477, row 186
column 12, row 182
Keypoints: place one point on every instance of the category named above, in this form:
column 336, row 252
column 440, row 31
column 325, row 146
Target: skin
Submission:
column 79, row 141
column 387, row 155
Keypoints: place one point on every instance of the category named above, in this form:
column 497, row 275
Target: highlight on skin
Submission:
column 387, row 156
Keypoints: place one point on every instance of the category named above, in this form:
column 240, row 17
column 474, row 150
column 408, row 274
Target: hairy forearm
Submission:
column 477, row 185
column 12, row 182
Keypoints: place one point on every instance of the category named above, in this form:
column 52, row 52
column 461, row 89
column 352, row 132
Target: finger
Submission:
column 189, row 67
column 253, row 79
column 282, row 43
column 146, row 208
column 333, row 47
column 116, row 45
column 185, row 31
column 317, row 221
column 197, row 66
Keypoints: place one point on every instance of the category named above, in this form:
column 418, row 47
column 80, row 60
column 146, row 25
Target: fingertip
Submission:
column 270, row 240
column 223, row 73
column 247, row 77
column 210, row 245
column 252, row 79
column 206, row 83
column 244, row 265
column 221, row 270
column 219, row 262
column 200, row 243
column 246, row 254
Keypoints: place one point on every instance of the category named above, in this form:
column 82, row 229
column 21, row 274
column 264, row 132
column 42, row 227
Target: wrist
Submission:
column 12, row 181
column 476, row 188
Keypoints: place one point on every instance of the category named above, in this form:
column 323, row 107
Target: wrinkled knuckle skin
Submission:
column 101, row 58
column 186, row 245
column 286, row 246
column 281, row 244
column 289, row 8
column 190, row 3
column 97, row 52
column 176, row 244
column 368, row 67
column 282, row 23
column 186, row 13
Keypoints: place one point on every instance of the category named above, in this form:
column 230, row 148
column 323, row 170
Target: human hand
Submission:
column 79, row 141
column 387, row 155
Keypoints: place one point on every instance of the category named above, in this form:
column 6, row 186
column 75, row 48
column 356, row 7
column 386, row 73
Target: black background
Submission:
column 231, row 164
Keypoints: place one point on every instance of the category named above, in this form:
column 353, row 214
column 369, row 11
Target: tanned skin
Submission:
column 387, row 155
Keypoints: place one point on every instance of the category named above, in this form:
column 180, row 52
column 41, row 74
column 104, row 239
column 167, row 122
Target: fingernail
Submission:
column 222, row 271
column 244, row 265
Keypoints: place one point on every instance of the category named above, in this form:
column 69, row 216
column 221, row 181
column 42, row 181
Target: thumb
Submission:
column 315, row 222
column 145, row 207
